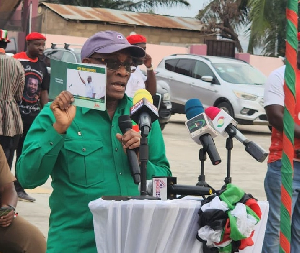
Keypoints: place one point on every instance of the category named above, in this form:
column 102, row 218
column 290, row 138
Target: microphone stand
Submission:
column 143, row 159
column 229, row 146
column 201, row 178
column 143, row 156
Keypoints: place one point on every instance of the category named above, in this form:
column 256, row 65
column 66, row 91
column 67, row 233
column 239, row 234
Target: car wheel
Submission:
column 162, row 126
column 226, row 107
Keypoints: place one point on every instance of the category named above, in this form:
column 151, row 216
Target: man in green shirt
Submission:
column 84, row 153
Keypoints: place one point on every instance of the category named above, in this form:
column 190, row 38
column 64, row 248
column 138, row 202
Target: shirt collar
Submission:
column 122, row 104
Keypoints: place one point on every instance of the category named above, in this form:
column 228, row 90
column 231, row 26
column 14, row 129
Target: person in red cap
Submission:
column 35, row 93
column 274, row 106
column 137, row 79
column 12, row 81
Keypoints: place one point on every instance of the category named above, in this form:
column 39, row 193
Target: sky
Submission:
column 192, row 11
column 196, row 5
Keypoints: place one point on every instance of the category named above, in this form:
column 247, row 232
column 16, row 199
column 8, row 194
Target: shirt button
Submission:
column 116, row 149
column 120, row 173
column 83, row 149
column 51, row 143
column 112, row 125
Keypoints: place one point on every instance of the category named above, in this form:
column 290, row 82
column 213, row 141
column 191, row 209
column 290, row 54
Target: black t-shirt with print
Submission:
column 36, row 80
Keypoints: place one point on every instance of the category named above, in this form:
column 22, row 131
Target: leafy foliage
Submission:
column 224, row 17
column 268, row 26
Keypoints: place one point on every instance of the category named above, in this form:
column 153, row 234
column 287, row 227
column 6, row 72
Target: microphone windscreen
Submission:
column 140, row 94
column 212, row 112
column 193, row 107
column 125, row 123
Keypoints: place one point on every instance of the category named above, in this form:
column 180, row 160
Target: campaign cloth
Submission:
column 227, row 221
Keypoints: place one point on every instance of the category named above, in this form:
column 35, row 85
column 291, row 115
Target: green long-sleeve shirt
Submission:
column 85, row 163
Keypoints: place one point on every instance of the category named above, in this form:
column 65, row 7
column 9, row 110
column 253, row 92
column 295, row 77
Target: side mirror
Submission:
column 207, row 79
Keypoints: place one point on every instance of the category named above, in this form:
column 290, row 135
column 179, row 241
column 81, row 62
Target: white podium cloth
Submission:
column 148, row 226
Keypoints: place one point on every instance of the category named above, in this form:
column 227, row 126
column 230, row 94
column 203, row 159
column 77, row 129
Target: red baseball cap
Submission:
column 35, row 36
column 136, row 38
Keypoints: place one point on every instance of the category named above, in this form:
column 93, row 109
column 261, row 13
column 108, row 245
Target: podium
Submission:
column 154, row 226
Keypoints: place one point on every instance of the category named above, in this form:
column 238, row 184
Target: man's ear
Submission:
column 86, row 60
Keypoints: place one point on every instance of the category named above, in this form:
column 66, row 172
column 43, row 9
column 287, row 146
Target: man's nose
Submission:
column 122, row 71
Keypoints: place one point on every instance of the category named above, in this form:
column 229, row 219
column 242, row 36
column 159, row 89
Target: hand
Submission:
column 131, row 139
column 7, row 219
column 63, row 110
column 148, row 61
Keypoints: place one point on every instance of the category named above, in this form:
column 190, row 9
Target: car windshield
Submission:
column 239, row 73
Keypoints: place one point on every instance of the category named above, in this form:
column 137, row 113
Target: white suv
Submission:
column 230, row 84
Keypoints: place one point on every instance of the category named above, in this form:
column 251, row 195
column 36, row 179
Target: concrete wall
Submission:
column 157, row 52
column 55, row 24
column 265, row 64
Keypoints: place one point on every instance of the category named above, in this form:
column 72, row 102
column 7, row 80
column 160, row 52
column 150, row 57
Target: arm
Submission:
column 45, row 88
column 44, row 141
column 81, row 78
column 8, row 195
column 275, row 117
column 150, row 83
column 274, row 100
column 9, row 199
column 20, row 83
column 44, row 97
column 40, row 150
column 158, row 164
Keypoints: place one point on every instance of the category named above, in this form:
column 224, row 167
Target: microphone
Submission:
column 167, row 188
column 226, row 125
column 143, row 112
column 201, row 130
column 125, row 124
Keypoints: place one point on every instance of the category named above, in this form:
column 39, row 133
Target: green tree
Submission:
column 123, row 4
column 224, row 17
column 268, row 26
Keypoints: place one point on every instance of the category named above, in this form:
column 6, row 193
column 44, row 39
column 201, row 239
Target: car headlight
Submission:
column 166, row 96
column 245, row 96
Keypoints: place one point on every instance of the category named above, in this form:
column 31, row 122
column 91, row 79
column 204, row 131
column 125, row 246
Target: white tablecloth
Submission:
column 153, row 226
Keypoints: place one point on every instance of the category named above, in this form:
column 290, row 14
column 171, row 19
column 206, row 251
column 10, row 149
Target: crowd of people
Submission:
column 83, row 149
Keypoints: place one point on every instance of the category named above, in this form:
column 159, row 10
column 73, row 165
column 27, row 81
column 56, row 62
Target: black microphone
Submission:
column 143, row 112
column 167, row 188
column 200, row 129
column 225, row 124
column 125, row 125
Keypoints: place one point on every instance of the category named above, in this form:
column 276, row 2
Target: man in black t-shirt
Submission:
column 35, row 94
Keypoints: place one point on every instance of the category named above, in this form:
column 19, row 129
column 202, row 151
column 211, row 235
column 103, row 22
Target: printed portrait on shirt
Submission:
column 31, row 91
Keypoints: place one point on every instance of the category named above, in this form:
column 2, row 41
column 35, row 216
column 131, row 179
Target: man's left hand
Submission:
column 7, row 219
column 148, row 61
column 131, row 139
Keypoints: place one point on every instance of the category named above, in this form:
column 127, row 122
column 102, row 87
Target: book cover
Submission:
column 87, row 83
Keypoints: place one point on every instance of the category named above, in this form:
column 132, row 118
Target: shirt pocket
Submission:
column 84, row 162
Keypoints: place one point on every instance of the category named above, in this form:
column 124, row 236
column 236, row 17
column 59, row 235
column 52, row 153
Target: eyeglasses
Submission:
column 115, row 64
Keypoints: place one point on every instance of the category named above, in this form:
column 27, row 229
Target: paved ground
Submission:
column 182, row 153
